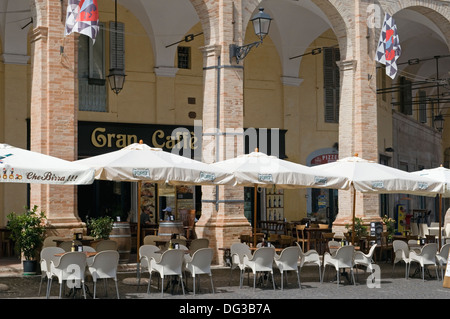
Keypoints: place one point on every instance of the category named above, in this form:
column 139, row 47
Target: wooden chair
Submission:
column 429, row 239
column 286, row 241
column 385, row 246
column 300, row 231
column 326, row 237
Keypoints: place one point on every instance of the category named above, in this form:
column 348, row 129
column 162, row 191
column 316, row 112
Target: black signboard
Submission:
column 95, row 138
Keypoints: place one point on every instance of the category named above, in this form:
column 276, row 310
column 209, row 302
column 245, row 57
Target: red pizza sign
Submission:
column 324, row 158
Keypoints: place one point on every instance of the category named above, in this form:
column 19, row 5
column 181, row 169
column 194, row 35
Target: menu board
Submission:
column 147, row 199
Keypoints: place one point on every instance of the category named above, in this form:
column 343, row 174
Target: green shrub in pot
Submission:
column 100, row 228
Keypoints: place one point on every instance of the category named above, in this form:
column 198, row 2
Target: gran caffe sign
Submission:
column 95, row 138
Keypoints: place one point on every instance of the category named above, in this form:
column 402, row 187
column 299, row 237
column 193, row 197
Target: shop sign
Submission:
column 95, row 138
column 324, row 159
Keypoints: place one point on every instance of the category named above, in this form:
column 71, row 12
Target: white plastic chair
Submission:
column 423, row 230
column 70, row 266
column 427, row 256
column 363, row 259
column 151, row 239
column 106, row 244
column 343, row 258
column 237, row 253
column 260, row 261
column 333, row 246
column 50, row 241
column 89, row 249
column 415, row 229
column 104, row 266
column 200, row 264
column 441, row 258
column 46, row 256
column 401, row 253
column 310, row 258
column 170, row 264
column 447, row 231
column 146, row 253
column 288, row 261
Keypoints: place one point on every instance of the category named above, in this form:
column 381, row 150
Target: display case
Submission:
column 274, row 204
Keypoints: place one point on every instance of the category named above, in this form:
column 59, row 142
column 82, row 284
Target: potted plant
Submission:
column 390, row 226
column 100, row 228
column 360, row 228
column 28, row 232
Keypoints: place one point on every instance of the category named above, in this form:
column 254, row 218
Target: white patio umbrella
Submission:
column 259, row 169
column 441, row 174
column 19, row 165
column 139, row 162
column 371, row 177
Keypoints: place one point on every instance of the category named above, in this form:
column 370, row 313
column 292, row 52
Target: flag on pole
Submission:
column 82, row 17
column 389, row 50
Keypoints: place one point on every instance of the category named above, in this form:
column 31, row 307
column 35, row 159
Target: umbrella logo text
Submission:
column 265, row 178
column 422, row 185
column 320, row 180
column 378, row 185
column 205, row 176
column 141, row 173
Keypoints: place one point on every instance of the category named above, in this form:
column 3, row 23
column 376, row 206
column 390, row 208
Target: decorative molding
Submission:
column 12, row 58
column 166, row 71
column 211, row 50
column 291, row 81
column 347, row 65
column 39, row 33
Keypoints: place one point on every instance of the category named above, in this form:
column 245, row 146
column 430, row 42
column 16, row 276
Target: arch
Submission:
column 203, row 10
column 15, row 15
column 292, row 18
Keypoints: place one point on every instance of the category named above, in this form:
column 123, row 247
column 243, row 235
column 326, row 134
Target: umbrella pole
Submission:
column 138, row 235
column 440, row 220
column 254, row 217
column 353, row 217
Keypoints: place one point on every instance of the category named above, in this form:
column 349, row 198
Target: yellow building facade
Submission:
column 313, row 78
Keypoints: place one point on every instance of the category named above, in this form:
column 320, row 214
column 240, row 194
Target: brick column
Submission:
column 358, row 118
column 54, row 104
column 222, row 219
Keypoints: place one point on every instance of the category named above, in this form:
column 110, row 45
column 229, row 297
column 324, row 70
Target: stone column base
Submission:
column 222, row 232
column 66, row 227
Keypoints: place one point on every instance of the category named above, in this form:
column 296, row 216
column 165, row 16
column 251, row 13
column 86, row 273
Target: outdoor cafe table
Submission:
column 314, row 235
column 277, row 250
column 87, row 253
column 84, row 241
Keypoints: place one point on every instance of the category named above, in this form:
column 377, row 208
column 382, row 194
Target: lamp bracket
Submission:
column 240, row 52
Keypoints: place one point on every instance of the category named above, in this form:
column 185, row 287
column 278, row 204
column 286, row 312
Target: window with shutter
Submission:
column 117, row 58
column 331, row 80
column 422, row 106
column 184, row 57
column 91, row 73
column 405, row 96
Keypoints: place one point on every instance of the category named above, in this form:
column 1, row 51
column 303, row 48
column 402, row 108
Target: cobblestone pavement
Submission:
column 392, row 285
column 228, row 300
